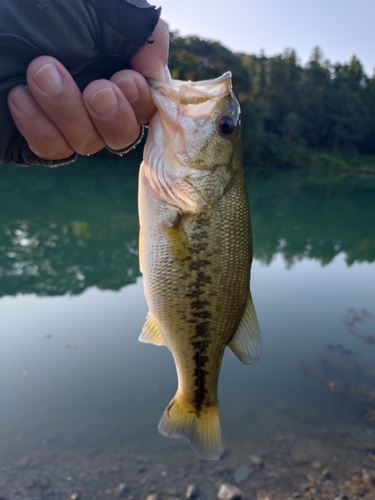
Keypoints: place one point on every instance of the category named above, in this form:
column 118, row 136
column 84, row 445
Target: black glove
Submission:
column 92, row 38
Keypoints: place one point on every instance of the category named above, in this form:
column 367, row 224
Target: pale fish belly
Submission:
column 197, row 300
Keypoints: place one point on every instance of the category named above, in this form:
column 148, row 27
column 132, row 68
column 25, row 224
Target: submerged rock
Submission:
column 256, row 460
column 122, row 489
column 23, row 463
column 192, row 491
column 241, row 474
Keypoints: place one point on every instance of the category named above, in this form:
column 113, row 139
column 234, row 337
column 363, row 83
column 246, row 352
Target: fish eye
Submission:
column 226, row 125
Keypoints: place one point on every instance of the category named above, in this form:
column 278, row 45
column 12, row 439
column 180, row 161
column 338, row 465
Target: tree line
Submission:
column 288, row 110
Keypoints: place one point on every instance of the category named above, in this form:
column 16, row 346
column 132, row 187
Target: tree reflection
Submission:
column 66, row 229
column 314, row 215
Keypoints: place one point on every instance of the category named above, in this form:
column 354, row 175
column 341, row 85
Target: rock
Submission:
column 41, row 457
column 299, row 455
column 241, row 474
column 122, row 488
column 316, row 465
column 154, row 496
column 256, row 460
column 29, row 485
column 192, row 491
column 306, row 450
column 225, row 472
column 43, row 482
column 171, row 491
column 229, row 492
column 23, row 462
column 327, row 474
column 74, row 496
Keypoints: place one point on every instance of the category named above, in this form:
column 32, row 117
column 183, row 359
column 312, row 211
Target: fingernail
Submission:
column 104, row 102
column 129, row 88
column 48, row 79
column 22, row 100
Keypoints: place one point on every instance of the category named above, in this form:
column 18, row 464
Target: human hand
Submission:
column 57, row 120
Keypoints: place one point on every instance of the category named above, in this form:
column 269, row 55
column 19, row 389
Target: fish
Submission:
column 195, row 249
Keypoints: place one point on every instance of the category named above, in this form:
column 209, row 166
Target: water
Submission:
column 81, row 397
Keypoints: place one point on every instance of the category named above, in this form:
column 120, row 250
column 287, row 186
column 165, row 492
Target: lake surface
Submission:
column 80, row 397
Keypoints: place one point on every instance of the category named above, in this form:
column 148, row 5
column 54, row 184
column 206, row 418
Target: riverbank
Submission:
column 336, row 161
column 291, row 156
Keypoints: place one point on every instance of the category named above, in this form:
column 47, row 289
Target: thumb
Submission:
column 151, row 60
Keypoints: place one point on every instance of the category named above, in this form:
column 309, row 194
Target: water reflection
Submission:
column 64, row 230
column 314, row 215
column 81, row 398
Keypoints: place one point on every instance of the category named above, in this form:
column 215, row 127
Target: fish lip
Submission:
column 193, row 93
column 178, row 83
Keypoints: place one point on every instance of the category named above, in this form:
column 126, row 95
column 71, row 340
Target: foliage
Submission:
column 289, row 110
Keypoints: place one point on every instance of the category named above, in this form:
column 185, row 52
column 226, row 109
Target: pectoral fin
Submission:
column 246, row 343
column 150, row 332
column 178, row 243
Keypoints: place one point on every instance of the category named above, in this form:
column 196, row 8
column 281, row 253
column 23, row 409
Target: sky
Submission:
column 341, row 28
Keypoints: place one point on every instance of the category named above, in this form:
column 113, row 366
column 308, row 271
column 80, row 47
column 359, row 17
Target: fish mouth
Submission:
column 190, row 93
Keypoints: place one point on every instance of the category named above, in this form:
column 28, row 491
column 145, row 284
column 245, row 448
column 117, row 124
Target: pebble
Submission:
column 23, row 462
column 154, row 496
column 75, row 496
column 241, row 474
column 43, row 482
column 299, row 455
column 121, row 489
column 192, row 491
column 229, row 492
column 255, row 460
column 327, row 474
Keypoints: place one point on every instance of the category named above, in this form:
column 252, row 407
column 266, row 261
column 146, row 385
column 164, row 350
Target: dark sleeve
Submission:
column 91, row 38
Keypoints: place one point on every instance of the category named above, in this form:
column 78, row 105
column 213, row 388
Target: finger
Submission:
column 42, row 135
column 151, row 59
column 59, row 97
column 111, row 114
column 137, row 93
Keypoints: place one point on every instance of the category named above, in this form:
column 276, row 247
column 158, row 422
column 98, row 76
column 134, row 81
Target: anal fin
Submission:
column 246, row 343
column 150, row 332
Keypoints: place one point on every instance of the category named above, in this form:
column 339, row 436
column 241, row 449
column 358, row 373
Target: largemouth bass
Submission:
column 196, row 249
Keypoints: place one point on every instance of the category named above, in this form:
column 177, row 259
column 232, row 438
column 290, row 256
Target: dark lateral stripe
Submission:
column 200, row 374
column 200, row 312
column 199, row 304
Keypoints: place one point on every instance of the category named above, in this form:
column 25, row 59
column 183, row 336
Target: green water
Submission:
column 73, row 376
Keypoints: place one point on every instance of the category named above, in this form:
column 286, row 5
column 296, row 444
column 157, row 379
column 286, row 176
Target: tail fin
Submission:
column 202, row 431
